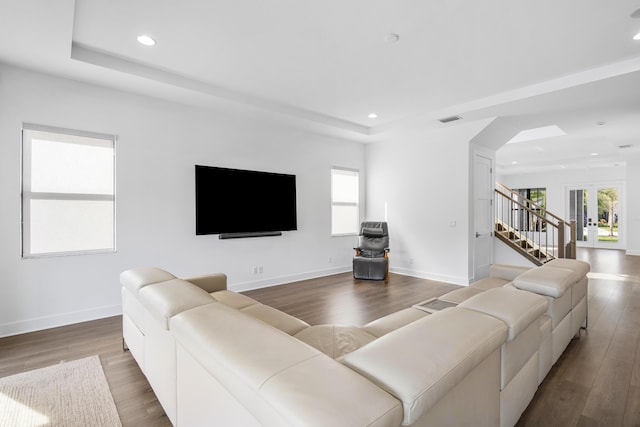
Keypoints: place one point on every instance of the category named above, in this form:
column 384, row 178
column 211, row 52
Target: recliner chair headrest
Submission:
column 373, row 229
column 372, row 232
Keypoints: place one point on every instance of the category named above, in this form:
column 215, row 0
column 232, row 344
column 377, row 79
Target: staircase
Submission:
column 530, row 229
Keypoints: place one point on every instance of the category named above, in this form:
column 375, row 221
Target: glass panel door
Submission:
column 596, row 210
column 579, row 211
column 608, row 226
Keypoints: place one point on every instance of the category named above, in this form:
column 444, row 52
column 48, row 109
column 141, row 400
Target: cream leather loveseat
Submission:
column 215, row 357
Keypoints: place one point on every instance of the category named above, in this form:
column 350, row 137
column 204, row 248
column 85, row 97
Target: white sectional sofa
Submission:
column 215, row 357
column 563, row 283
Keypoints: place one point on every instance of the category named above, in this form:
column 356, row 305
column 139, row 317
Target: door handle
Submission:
column 480, row 234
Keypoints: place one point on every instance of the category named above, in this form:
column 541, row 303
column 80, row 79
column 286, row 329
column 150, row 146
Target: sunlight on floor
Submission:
column 613, row 276
column 15, row 413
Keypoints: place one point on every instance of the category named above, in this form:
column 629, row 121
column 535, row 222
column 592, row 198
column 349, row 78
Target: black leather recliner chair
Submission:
column 371, row 260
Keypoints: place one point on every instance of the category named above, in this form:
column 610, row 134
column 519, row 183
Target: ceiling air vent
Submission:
column 449, row 119
column 625, row 146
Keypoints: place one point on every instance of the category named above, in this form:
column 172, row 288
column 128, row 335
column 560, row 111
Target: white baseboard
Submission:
column 247, row 286
column 632, row 252
column 281, row 280
column 455, row 280
column 54, row 321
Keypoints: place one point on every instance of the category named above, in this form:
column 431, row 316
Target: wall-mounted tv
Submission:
column 244, row 203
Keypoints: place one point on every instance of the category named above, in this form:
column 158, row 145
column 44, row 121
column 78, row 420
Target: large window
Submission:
column 68, row 191
column 344, row 202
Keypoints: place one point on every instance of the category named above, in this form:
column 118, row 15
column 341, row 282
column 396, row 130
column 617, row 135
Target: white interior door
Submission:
column 597, row 210
column 483, row 215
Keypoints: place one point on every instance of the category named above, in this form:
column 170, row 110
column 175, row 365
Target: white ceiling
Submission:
column 325, row 65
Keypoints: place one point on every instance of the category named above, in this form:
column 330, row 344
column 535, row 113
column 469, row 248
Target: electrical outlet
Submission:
column 255, row 270
column 260, row 270
column 329, row 260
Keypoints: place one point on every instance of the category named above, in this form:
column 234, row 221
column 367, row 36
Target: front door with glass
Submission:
column 597, row 212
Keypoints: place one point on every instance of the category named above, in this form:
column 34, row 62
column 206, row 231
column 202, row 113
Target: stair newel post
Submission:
column 573, row 237
column 561, row 239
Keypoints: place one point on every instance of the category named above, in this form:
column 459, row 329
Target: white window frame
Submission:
column 66, row 135
column 355, row 204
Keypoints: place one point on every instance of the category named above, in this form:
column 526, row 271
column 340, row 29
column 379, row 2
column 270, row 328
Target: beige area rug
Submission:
column 68, row 394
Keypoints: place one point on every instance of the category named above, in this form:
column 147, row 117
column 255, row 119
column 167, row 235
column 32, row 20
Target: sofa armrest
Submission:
column 210, row 282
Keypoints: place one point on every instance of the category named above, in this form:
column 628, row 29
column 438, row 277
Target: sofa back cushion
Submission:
column 516, row 308
column 580, row 268
column 166, row 299
column 549, row 281
column 269, row 371
column 420, row 362
column 135, row 279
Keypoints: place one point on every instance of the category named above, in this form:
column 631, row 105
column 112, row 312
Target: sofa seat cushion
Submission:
column 137, row 278
column 253, row 308
column 488, row 283
column 506, row 272
column 233, row 299
column 393, row 321
column 460, row 295
column 276, row 318
column 209, row 282
column 166, row 299
column 275, row 367
column 516, row 308
column 335, row 340
column 553, row 282
column 420, row 362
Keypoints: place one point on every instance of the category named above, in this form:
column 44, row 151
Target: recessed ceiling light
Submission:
column 391, row 38
column 514, row 163
column 636, row 37
column 372, row 116
column 594, row 154
column 449, row 119
column 146, row 40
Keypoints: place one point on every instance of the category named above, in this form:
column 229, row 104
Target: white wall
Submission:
column 158, row 144
column 424, row 184
column 633, row 204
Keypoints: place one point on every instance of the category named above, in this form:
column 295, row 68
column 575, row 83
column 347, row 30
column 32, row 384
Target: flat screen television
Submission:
column 244, row 203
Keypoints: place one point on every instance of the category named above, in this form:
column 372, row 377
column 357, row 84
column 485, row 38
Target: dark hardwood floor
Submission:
column 596, row 382
column 340, row 299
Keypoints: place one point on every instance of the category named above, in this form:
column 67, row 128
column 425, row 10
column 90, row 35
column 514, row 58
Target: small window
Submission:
column 345, row 218
column 68, row 192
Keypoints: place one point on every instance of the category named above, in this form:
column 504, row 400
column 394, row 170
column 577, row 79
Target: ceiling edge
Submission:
column 90, row 55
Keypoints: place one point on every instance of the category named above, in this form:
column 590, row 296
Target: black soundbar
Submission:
column 251, row 234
